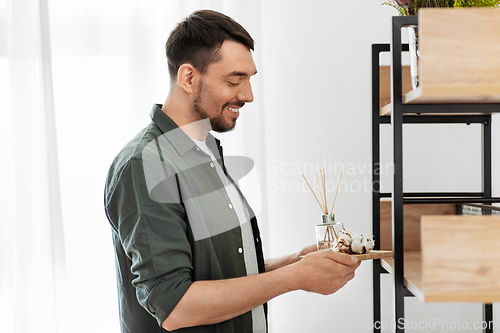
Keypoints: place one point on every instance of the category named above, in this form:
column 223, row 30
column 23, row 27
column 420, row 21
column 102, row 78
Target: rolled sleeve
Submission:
column 154, row 236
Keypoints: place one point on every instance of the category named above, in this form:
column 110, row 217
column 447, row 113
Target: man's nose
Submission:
column 246, row 93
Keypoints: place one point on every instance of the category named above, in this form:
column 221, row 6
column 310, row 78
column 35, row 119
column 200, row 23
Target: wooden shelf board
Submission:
column 452, row 95
column 485, row 298
column 413, row 272
column 387, row 109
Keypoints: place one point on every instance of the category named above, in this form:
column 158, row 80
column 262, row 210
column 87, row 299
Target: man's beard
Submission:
column 217, row 122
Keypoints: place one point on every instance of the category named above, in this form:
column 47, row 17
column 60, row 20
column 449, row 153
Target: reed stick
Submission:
column 324, row 189
column 313, row 193
column 325, row 211
column 335, row 233
column 337, row 190
column 328, row 235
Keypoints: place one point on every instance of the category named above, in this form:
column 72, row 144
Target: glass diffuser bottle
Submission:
column 327, row 232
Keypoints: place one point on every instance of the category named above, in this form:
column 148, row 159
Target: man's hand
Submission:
column 308, row 249
column 323, row 272
column 272, row 264
column 210, row 302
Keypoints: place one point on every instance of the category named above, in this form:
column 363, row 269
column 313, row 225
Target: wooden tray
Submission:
column 375, row 254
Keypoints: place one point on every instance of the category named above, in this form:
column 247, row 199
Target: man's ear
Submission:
column 186, row 77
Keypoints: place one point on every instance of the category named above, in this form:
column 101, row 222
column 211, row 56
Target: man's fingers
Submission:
column 342, row 258
column 308, row 249
column 350, row 276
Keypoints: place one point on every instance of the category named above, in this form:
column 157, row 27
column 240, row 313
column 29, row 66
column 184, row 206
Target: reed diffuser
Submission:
column 327, row 232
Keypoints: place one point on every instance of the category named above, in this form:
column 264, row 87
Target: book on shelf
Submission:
column 479, row 209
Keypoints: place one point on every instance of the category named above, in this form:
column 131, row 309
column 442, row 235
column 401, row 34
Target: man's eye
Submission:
column 233, row 83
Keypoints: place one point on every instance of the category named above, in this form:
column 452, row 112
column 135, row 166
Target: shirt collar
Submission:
column 179, row 140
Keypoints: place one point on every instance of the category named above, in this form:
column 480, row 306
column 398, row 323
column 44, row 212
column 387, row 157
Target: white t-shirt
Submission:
column 249, row 253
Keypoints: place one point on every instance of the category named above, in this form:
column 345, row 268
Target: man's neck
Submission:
column 179, row 111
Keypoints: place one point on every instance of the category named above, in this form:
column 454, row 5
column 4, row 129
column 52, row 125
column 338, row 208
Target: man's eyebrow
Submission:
column 238, row 73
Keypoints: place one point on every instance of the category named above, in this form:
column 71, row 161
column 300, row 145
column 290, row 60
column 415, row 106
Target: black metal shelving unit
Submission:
column 414, row 114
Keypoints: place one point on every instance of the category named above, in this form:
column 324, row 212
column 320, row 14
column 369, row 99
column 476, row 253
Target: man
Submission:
column 187, row 245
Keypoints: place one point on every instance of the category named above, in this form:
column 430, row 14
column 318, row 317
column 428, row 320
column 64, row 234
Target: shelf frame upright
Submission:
column 411, row 113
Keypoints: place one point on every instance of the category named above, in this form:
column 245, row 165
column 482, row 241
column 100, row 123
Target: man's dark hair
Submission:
column 197, row 39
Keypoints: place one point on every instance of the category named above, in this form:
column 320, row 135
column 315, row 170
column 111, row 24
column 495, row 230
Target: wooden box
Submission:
column 460, row 258
column 459, row 56
column 412, row 215
column 385, row 87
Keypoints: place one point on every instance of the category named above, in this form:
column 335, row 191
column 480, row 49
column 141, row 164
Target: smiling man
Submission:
column 217, row 92
column 187, row 245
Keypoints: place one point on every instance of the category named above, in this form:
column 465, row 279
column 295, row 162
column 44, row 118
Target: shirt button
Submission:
column 240, row 250
column 198, row 148
column 230, row 206
column 212, row 165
